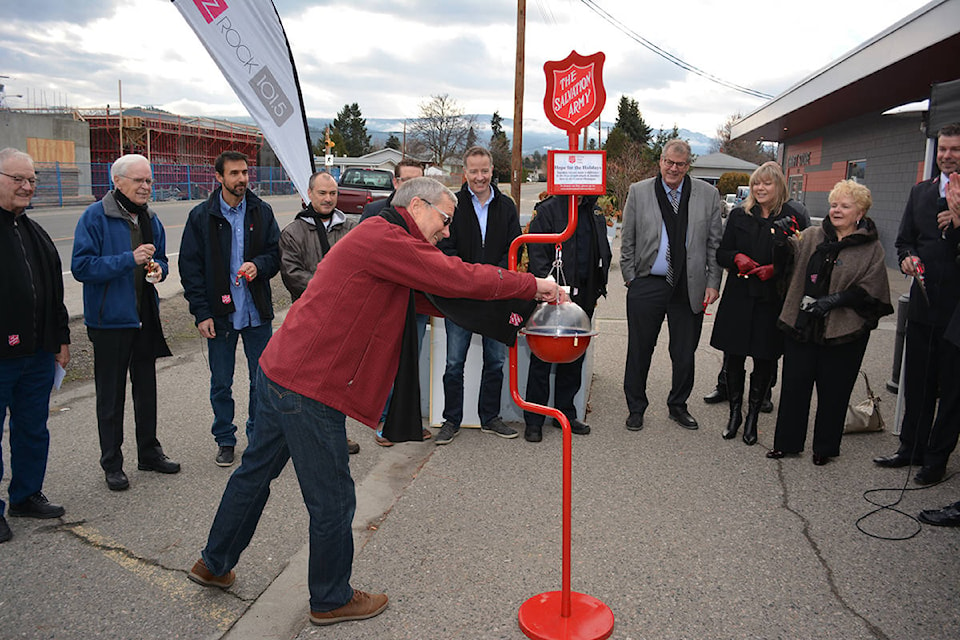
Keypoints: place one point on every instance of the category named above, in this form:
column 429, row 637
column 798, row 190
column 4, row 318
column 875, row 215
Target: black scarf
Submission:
column 676, row 224
column 154, row 345
column 310, row 212
column 128, row 204
column 490, row 318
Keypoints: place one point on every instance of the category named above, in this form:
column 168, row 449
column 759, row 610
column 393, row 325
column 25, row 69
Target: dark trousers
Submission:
column 649, row 299
column 932, row 369
column 833, row 369
column 566, row 384
column 25, row 385
column 115, row 353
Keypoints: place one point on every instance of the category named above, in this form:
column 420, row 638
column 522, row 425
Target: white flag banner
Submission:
column 246, row 40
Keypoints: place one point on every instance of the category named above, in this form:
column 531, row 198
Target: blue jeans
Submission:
column 314, row 435
column 422, row 319
column 223, row 359
column 25, row 385
column 491, row 380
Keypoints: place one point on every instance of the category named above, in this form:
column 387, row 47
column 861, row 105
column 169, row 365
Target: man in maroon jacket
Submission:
column 336, row 355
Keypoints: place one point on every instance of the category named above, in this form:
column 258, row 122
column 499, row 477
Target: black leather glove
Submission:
column 828, row 303
column 783, row 228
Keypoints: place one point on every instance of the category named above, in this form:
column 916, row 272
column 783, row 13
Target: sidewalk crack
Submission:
column 831, row 582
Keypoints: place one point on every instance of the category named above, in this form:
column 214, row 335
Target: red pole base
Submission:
column 589, row 618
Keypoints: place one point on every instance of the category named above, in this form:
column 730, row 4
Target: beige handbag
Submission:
column 865, row 415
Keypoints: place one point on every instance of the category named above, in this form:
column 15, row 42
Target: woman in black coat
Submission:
column 746, row 323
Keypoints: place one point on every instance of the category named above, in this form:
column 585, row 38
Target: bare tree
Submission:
column 755, row 152
column 633, row 164
column 442, row 128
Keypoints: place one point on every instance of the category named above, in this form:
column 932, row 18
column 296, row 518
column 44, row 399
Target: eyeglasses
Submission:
column 146, row 181
column 447, row 219
column 672, row 163
column 19, row 180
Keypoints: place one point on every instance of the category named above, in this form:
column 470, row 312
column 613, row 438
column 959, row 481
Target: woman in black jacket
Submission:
column 746, row 323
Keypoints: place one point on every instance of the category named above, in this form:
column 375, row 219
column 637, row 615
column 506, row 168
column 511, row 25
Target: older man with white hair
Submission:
column 119, row 253
column 34, row 321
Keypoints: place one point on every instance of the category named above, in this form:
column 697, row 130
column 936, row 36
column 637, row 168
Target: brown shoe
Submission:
column 380, row 440
column 352, row 447
column 426, row 434
column 201, row 575
column 361, row 606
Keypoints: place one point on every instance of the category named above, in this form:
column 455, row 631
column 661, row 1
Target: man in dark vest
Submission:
column 228, row 254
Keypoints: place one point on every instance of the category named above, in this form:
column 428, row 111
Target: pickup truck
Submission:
column 359, row 186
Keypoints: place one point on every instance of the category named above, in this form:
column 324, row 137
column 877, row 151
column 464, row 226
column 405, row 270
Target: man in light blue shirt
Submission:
column 228, row 254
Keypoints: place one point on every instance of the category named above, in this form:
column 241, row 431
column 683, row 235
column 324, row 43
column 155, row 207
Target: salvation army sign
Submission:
column 575, row 95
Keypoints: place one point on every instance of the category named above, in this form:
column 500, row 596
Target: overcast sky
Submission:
column 389, row 55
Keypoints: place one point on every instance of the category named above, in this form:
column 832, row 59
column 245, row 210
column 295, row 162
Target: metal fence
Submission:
column 65, row 183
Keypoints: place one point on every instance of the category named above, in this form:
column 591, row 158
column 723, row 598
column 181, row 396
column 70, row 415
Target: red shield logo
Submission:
column 13, row 340
column 575, row 95
column 225, row 298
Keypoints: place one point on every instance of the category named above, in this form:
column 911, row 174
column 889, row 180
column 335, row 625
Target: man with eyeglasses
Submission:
column 35, row 334
column 668, row 256
column 119, row 253
column 485, row 224
column 229, row 252
column 335, row 355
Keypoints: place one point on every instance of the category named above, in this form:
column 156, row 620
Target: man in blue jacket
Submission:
column 119, row 252
column 229, row 252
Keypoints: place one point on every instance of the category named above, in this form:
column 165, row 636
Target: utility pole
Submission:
column 516, row 164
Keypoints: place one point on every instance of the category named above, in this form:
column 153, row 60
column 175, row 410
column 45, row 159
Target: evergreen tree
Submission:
column 500, row 149
column 352, row 128
column 471, row 139
column 631, row 122
column 393, row 142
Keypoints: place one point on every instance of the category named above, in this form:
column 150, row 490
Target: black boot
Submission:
column 719, row 394
column 735, row 396
column 754, row 400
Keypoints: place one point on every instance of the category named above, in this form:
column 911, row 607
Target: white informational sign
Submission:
column 246, row 40
column 576, row 172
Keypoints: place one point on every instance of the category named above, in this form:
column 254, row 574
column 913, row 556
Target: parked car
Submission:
column 360, row 186
column 729, row 202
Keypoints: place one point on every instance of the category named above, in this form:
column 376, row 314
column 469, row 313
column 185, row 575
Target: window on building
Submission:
column 857, row 170
column 795, row 187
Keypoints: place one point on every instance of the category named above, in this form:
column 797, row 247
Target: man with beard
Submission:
column 309, row 237
column 228, row 254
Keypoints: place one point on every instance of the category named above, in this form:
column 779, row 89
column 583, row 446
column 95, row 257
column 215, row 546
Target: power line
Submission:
column 669, row 56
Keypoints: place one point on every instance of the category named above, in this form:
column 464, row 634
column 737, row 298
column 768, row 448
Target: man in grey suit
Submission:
column 668, row 277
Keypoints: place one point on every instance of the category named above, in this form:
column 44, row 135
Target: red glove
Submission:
column 744, row 263
column 763, row 271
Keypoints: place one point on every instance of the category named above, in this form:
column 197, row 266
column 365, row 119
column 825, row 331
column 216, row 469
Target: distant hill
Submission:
column 538, row 135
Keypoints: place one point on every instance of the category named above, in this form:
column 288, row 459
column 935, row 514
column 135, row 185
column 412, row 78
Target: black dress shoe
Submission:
column 718, row 395
column 949, row 516
column 160, row 464
column 532, row 433
column 775, row 454
column 5, row 533
column 117, row 481
column 929, row 475
column 820, row 460
column 635, row 421
column 576, row 427
column 36, row 506
column 682, row 417
column 894, row 461
column 766, row 406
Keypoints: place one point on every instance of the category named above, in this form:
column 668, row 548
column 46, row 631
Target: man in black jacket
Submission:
column 586, row 262
column 484, row 225
column 228, row 254
column 36, row 332
column 404, row 170
column 928, row 238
